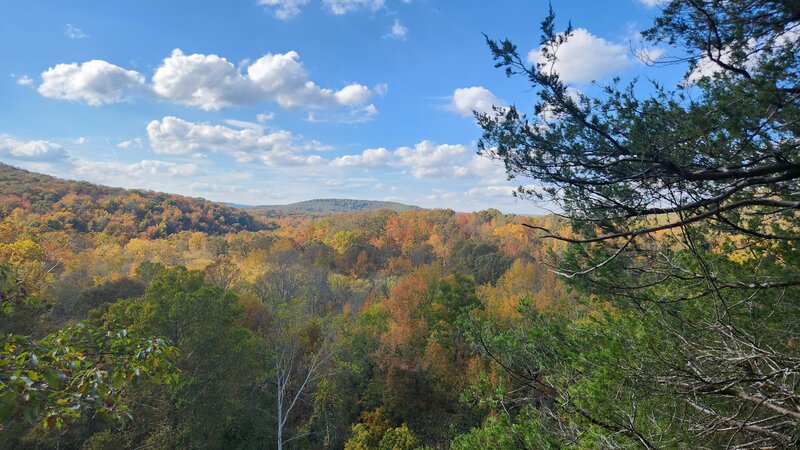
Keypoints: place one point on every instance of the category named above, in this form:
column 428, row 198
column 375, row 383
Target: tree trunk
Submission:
column 280, row 420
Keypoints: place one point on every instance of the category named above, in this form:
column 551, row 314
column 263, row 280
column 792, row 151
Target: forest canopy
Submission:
column 655, row 308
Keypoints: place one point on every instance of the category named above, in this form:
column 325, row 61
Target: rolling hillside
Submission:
column 49, row 203
column 327, row 205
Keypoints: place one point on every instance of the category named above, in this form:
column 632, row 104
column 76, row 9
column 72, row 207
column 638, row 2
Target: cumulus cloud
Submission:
column 706, row 68
column 36, row 150
column 492, row 191
column 428, row 160
column 94, row 82
column 352, row 94
column 172, row 135
column 284, row 9
column 487, row 170
column 340, row 7
column 476, row 98
column 145, row 168
column 398, row 31
column 205, row 81
column 74, row 32
column 208, row 82
column 584, row 57
column 284, row 79
column 371, row 157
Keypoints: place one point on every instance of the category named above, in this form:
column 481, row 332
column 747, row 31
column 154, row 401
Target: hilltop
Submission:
column 327, row 205
column 49, row 204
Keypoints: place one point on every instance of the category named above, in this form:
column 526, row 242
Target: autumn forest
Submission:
column 654, row 303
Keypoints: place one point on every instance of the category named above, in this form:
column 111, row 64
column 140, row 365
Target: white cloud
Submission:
column 216, row 188
column 172, row 135
column 24, row 80
column 208, row 82
column 244, row 124
column 441, row 195
column 284, row 9
column 502, row 196
column 355, row 115
column 476, row 98
column 94, row 82
column 584, row 57
column 381, row 89
column 37, row 150
column 429, row 160
column 340, row 7
column 429, row 174
column 204, row 81
column 487, row 169
column 706, row 68
column 80, row 141
column 211, row 82
column 492, row 191
column 371, row 157
column 353, row 94
column 650, row 54
column 74, row 32
column 265, row 117
column 398, row 31
column 283, row 78
column 424, row 160
column 145, row 168
column 137, row 142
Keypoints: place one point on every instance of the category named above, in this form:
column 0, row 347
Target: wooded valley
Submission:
column 657, row 306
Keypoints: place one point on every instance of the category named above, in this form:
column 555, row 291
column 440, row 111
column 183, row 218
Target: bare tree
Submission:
column 303, row 346
column 295, row 377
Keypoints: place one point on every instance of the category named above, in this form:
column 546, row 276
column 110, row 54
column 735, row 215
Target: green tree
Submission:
column 399, row 438
column 83, row 370
column 686, row 217
column 482, row 260
column 83, row 367
column 219, row 361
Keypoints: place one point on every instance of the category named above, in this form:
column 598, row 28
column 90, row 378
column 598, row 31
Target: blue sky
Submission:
column 275, row 101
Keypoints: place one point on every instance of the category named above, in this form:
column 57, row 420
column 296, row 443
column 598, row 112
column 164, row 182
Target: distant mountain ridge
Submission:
column 324, row 205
